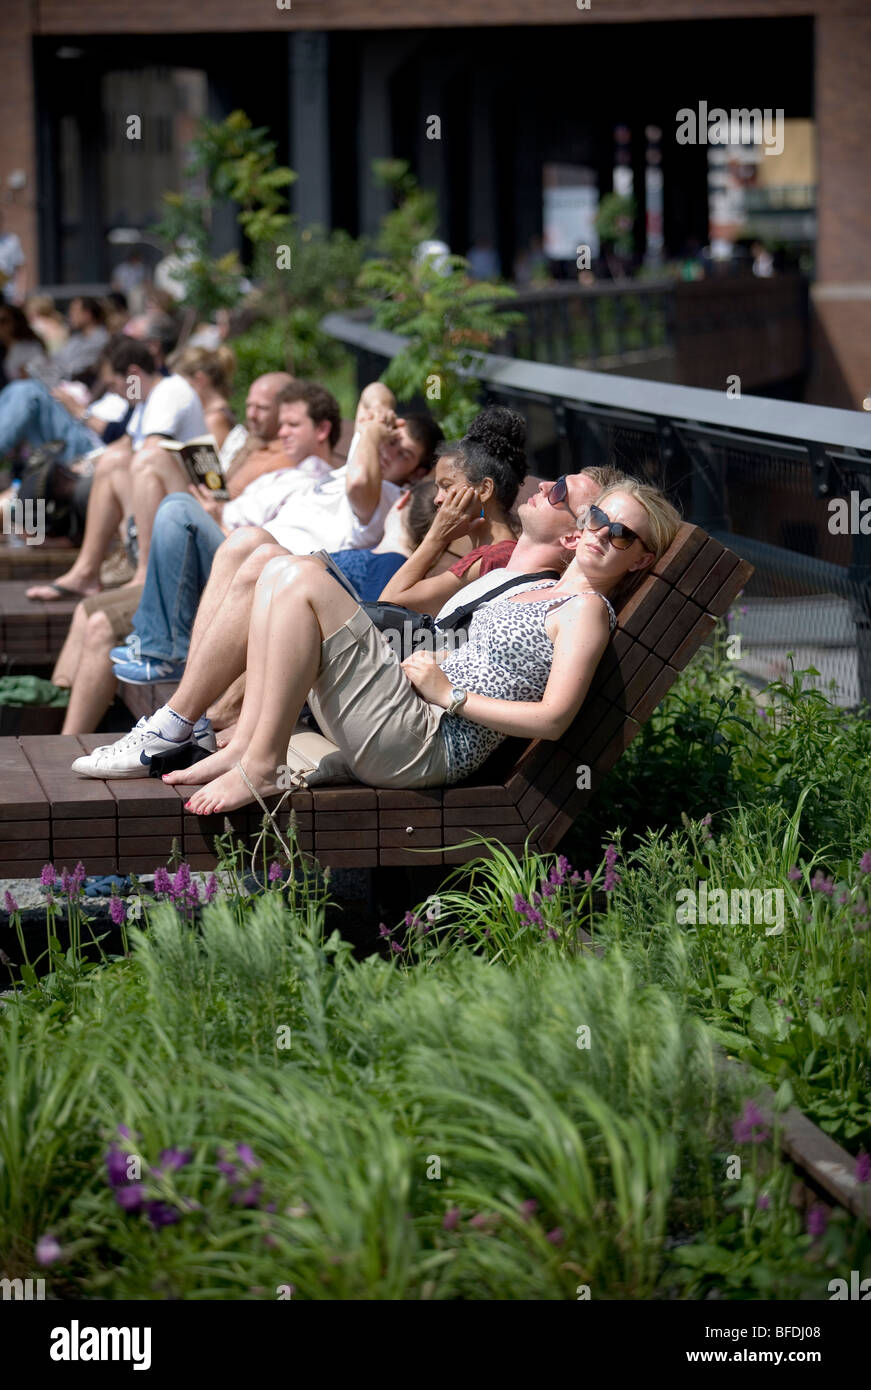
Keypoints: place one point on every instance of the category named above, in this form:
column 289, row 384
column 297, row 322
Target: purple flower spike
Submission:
column 174, row 1158
column 79, row 875
column 117, row 911
column 125, row 1132
column 130, row 1198
column 588, row 877
column 248, row 1156
column 452, row 1219
column 528, row 1208
column 395, row 946
column 248, row 1196
column 116, row 1167
column 865, row 862
column 229, row 1170
column 10, row 903
column 211, row 888
column 48, row 876
column 384, row 931
column 794, row 874
column 817, row 1221
column 162, row 881
column 763, row 1201
column 275, row 871
column 159, row 1214
column 863, row 1168
column 555, row 1236
column 48, row 1250
column 750, row 1128
column 554, row 935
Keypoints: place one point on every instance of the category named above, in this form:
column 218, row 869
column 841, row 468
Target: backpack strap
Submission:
column 459, row 615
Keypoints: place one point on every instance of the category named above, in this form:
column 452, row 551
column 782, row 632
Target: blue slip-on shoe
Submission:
column 147, row 670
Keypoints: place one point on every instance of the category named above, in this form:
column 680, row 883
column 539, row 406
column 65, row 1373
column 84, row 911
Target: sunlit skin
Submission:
column 296, row 608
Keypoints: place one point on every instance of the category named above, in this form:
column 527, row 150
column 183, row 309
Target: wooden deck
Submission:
column 31, row 632
column 527, row 790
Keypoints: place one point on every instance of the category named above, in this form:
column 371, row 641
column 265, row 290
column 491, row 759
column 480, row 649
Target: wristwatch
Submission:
column 457, row 700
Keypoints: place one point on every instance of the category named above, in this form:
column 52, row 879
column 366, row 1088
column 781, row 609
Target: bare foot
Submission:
column 206, row 770
column 223, row 737
column 65, row 587
column 231, row 791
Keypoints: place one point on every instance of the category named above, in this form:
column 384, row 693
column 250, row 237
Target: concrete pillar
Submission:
column 308, row 62
column 483, row 218
column 841, row 297
column 380, row 56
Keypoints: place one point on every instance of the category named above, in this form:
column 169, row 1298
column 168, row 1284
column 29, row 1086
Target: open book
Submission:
column 199, row 457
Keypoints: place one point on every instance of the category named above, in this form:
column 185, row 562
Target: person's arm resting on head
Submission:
column 409, row 586
column 579, row 631
column 365, row 477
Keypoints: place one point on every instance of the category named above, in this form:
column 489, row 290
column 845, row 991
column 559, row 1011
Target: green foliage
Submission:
column 234, row 161
column 447, row 321
column 615, row 219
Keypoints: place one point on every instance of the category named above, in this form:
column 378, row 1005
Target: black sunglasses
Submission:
column 558, row 495
column 620, row 536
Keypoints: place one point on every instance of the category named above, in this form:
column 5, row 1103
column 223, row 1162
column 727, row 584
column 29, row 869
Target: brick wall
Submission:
column 842, row 295
column 16, row 122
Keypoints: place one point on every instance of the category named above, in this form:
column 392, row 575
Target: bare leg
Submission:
column 227, row 707
column 105, row 513
column 154, row 474
column 219, row 641
column 94, row 686
column 67, row 664
column 305, row 606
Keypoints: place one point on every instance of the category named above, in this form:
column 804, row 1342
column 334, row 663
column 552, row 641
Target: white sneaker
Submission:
column 131, row 756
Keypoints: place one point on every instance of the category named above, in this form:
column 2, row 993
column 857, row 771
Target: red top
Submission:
column 492, row 557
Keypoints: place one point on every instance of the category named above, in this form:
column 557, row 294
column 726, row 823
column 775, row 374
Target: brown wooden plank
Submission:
column 490, row 795
column 615, row 686
column 73, row 796
column 393, row 858
column 65, row 829
column 726, row 563
column 344, row 798
column 677, row 611
column 481, row 815
column 700, row 567
column 392, row 799
column 722, row 600
column 691, row 643
column 560, row 760
column 350, row 839
column 21, row 868
column 654, row 694
column 682, row 551
column 644, row 677
column 615, row 747
column 83, row 847
column 346, row 858
column 642, row 605
column 412, row 816
column 37, row 830
column 22, row 797
column 346, row 820
column 13, row 850
column 129, row 827
column 397, row 839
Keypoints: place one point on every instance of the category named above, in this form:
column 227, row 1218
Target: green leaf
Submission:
column 760, row 1018
column 818, row 1024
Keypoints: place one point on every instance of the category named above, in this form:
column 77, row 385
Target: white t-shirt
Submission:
column 110, row 406
column 263, row 498
column 172, row 408
column 318, row 516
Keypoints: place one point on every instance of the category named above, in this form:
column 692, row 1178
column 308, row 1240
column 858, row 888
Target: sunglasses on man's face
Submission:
column 557, row 497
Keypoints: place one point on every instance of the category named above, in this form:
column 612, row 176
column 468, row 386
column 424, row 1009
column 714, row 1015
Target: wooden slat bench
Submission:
column 31, row 632
column 18, row 560
column 527, row 789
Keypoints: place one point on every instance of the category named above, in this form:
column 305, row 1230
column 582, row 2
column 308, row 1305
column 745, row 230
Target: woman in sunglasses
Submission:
column 523, row 673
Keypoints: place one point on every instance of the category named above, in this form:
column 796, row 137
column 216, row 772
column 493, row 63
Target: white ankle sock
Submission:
column 170, row 725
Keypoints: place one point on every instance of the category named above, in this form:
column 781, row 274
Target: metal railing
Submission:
column 772, row 479
column 693, row 332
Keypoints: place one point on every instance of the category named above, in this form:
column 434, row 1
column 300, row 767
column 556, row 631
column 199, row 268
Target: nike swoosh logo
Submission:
column 145, row 760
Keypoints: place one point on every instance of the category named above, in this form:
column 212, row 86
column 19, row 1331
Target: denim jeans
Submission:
column 183, row 545
column 30, row 415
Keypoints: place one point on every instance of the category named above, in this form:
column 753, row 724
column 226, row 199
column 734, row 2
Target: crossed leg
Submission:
column 154, row 474
column 297, row 605
column 106, row 510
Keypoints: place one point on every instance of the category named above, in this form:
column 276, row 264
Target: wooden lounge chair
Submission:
column 526, row 789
